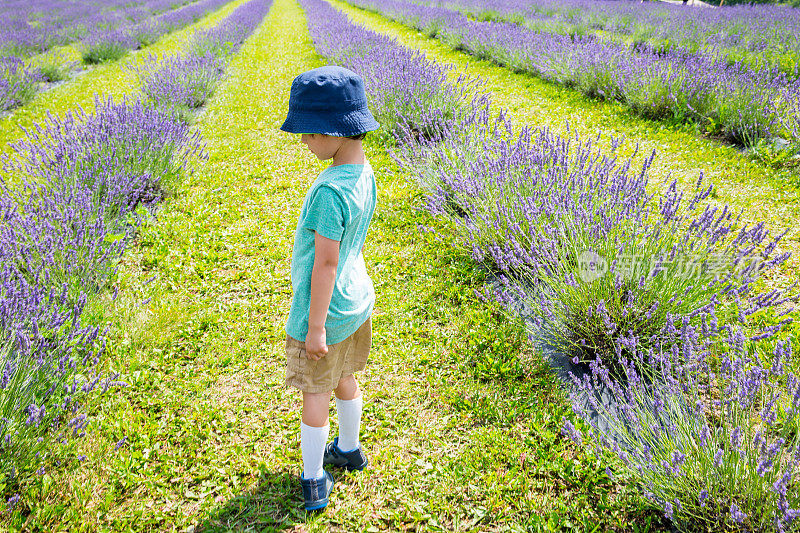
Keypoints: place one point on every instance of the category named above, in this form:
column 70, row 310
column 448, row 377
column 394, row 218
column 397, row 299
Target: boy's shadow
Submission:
column 274, row 504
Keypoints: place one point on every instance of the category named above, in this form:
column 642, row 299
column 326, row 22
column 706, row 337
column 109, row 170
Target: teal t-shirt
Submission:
column 339, row 205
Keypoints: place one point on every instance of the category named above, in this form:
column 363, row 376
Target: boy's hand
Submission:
column 316, row 348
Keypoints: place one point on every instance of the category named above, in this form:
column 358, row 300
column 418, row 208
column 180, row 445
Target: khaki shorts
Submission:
column 343, row 359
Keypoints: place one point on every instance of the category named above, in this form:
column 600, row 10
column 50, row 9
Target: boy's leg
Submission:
column 347, row 389
column 348, row 406
column 314, row 432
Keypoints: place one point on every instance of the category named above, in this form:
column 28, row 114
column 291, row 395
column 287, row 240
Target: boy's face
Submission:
column 322, row 146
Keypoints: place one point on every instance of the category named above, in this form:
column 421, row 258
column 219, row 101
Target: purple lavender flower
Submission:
column 12, row 502
column 736, row 514
column 573, row 433
column 229, row 34
column 105, row 153
column 736, row 438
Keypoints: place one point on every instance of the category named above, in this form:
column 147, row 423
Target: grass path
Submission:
column 461, row 421
column 109, row 79
column 681, row 154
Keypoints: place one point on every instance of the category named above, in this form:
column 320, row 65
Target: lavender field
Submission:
column 584, row 254
column 105, row 33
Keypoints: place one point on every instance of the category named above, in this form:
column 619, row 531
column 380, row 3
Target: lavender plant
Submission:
column 179, row 80
column 148, row 32
column 789, row 151
column 228, row 35
column 48, row 357
column 18, row 82
column 108, row 45
column 575, row 236
column 47, row 375
column 124, row 153
column 54, row 237
column 712, row 439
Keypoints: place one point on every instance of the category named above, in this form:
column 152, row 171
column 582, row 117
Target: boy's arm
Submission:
column 323, row 277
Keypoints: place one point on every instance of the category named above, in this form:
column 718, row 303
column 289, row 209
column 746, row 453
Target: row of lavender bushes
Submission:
column 654, row 292
column 759, row 35
column 742, row 105
column 72, row 195
column 113, row 43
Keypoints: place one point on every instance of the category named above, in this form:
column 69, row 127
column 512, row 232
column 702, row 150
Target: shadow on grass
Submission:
column 273, row 504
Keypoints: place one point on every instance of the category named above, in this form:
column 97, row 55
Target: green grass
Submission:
column 111, row 79
column 764, row 193
column 462, row 421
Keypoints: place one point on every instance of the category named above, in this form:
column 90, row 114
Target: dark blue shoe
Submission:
column 316, row 491
column 352, row 460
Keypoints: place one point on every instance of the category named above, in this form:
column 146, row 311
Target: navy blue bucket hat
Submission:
column 329, row 100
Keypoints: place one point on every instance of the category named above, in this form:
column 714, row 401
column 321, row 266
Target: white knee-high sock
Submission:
column 349, row 412
column 312, row 445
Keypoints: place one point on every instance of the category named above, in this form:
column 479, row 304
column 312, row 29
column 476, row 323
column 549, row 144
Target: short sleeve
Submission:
column 326, row 214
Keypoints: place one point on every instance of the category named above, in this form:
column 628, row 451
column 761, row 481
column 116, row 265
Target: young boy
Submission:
column 329, row 330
